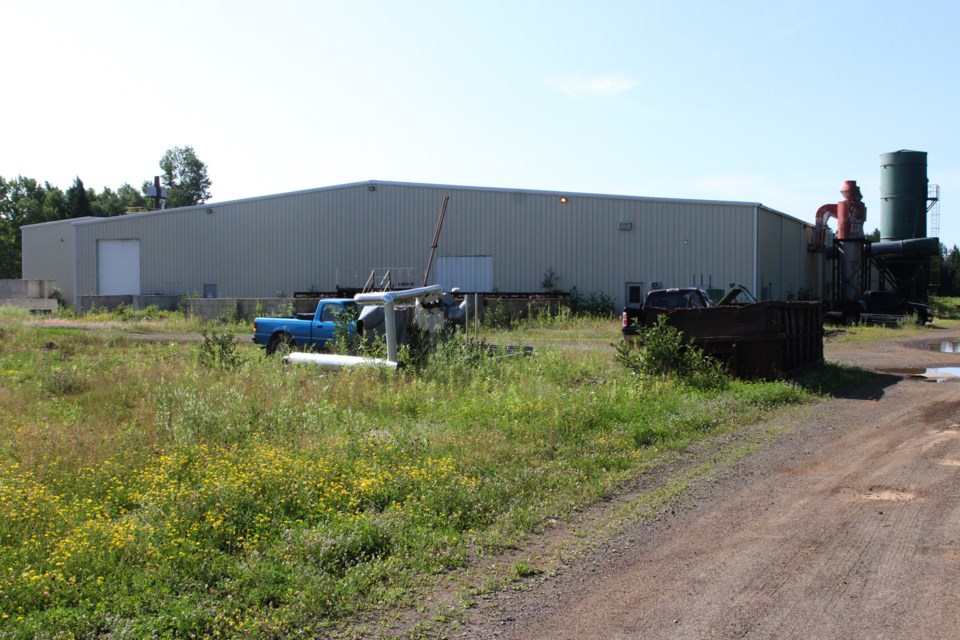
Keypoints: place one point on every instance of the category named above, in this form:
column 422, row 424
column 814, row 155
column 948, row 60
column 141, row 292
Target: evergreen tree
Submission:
column 949, row 271
column 79, row 200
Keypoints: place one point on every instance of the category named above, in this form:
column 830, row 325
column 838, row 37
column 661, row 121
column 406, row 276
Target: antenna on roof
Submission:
column 158, row 193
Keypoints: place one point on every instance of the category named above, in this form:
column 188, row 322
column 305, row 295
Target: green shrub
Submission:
column 945, row 308
column 346, row 341
column 496, row 316
column 232, row 314
column 218, row 351
column 448, row 356
column 549, row 281
column 665, row 354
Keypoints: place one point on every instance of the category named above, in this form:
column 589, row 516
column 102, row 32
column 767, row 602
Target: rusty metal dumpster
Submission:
column 762, row 340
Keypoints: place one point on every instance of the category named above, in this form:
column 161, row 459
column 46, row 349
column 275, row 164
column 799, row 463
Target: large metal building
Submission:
column 493, row 240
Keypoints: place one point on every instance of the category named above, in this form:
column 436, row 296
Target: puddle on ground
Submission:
column 944, row 346
column 935, row 374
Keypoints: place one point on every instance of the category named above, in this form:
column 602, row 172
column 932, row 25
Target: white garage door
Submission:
column 118, row 267
column 470, row 273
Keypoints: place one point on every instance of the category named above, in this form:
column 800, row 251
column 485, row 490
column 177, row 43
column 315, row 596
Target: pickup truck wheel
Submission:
column 850, row 319
column 281, row 344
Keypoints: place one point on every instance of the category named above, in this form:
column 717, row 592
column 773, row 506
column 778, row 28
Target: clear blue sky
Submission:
column 761, row 101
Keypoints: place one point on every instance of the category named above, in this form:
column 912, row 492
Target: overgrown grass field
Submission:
column 189, row 490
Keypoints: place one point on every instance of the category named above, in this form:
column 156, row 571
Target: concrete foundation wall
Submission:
column 48, row 305
column 26, row 289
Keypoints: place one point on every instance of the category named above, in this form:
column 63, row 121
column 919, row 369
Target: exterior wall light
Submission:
column 563, row 199
column 209, row 211
column 371, row 188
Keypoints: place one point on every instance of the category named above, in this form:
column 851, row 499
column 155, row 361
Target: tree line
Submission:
column 949, row 271
column 26, row 201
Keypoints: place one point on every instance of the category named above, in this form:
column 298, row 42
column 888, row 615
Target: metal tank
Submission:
column 903, row 195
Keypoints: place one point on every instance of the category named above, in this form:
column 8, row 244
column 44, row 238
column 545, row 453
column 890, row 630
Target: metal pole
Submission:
column 436, row 238
column 156, row 197
column 476, row 315
column 390, row 320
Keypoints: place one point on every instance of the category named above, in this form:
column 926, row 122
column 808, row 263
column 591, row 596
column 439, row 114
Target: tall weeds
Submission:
column 146, row 490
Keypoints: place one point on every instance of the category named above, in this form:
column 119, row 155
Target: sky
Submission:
column 753, row 101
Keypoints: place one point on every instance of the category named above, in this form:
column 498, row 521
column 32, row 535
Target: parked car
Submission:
column 877, row 307
column 305, row 331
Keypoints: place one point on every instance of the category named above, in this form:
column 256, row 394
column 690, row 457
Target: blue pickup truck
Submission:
column 305, row 330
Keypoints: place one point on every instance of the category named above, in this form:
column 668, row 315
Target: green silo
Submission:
column 903, row 195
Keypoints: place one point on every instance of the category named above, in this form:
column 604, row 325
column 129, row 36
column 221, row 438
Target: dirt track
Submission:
column 848, row 527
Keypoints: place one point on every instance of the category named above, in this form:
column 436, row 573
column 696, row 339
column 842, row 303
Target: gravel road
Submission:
column 846, row 527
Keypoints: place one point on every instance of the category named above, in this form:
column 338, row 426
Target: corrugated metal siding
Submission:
column 48, row 254
column 791, row 271
column 786, row 267
column 298, row 241
column 769, row 255
column 813, row 264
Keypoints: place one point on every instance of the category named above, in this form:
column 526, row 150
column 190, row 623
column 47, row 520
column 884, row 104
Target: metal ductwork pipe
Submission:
column 823, row 213
column 387, row 300
column 916, row 247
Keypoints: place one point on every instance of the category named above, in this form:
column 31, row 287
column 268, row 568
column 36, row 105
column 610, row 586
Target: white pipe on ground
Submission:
column 333, row 361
